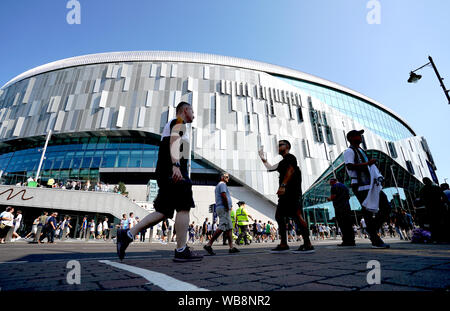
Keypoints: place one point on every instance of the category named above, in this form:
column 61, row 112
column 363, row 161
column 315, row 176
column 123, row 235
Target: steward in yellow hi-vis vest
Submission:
column 233, row 218
column 242, row 221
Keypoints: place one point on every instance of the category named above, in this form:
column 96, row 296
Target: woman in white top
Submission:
column 92, row 228
column 17, row 223
column 99, row 230
column 33, row 228
column 6, row 223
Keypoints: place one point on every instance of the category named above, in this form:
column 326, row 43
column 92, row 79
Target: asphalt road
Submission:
column 149, row 267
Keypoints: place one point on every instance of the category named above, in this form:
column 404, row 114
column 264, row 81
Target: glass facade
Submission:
column 81, row 158
column 365, row 113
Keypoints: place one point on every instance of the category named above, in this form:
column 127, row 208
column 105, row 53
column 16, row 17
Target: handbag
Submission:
column 2, row 226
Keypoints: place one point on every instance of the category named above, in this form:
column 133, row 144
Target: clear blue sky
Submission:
column 327, row 38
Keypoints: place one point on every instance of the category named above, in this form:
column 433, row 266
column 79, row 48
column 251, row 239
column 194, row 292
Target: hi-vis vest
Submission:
column 233, row 218
column 241, row 216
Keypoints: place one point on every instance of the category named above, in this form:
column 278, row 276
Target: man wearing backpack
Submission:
column 357, row 164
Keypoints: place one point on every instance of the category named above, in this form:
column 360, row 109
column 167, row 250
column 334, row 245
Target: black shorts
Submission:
column 174, row 196
column 289, row 206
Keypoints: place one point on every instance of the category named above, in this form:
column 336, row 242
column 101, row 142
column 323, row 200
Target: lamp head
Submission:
column 413, row 78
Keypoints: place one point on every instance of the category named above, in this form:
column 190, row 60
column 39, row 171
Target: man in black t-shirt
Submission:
column 175, row 187
column 289, row 198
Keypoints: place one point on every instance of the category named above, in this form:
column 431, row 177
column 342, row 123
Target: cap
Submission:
column 240, row 203
column 354, row 133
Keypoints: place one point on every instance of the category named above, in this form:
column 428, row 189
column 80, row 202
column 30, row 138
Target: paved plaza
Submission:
column 149, row 267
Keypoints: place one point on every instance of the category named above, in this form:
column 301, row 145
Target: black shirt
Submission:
column 342, row 196
column 164, row 165
column 294, row 185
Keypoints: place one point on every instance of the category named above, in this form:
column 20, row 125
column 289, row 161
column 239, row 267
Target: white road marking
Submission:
column 166, row 282
column 101, row 258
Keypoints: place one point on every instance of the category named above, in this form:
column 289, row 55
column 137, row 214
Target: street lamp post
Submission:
column 413, row 77
column 398, row 192
column 43, row 155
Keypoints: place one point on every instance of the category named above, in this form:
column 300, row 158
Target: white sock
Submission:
column 181, row 249
column 130, row 235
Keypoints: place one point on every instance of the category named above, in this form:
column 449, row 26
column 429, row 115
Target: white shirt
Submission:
column 363, row 223
column 105, row 225
column 349, row 158
column 99, row 227
column 131, row 222
column 371, row 203
column 7, row 215
column 92, row 225
column 18, row 219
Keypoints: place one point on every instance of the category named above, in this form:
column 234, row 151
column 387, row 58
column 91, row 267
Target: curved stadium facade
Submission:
column 107, row 111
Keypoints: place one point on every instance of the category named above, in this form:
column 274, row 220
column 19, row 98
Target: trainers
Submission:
column 123, row 240
column 381, row 246
column 209, row 250
column 233, row 250
column 280, row 249
column 186, row 256
column 304, row 250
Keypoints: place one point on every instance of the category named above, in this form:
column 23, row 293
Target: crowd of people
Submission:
column 72, row 185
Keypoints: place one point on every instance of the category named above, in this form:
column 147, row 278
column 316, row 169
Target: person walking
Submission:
column 124, row 222
column 50, row 228
column 175, row 186
column 6, row 223
column 17, row 223
column 40, row 227
column 67, row 228
column 434, row 199
column 289, row 197
column 363, row 228
column 92, row 229
column 105, row 229
column 242, row 221
column 99, row 229
column 83, row 228
column 223, row 209
column 358, row 168
column 204, row 230
column 33, row 229
column 340, row 196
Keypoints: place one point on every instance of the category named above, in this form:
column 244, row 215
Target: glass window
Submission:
column 123, row 158
column 92, row 143
column 109, row 159
column 149, row 158
column 113, row 143
column 135, row 159
column 102, row 142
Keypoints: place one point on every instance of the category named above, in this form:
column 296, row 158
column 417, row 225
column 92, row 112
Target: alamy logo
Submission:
column 74, row 275
column 374, row 275
column 74, row 15
column 374, row 15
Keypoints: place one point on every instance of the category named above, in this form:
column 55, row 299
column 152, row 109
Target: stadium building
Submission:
column 106, row 113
